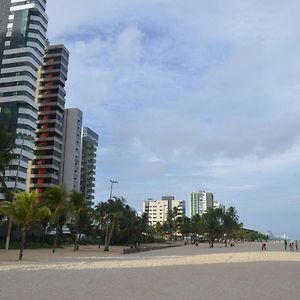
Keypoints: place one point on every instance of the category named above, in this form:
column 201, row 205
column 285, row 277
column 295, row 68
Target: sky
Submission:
column 190, row 95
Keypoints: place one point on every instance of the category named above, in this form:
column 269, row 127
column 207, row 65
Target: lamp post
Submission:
column 24, row 137
column 111, row 187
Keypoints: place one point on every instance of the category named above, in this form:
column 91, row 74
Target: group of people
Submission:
column 293, row 245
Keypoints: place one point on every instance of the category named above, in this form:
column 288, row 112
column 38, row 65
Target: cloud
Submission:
column 184, row 97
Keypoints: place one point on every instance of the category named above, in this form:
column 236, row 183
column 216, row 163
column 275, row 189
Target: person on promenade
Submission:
column 285, row 244
column 264, row 246
column 296, row 244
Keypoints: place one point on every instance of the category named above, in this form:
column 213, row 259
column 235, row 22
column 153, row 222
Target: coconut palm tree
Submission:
column 55, row 197
column 7, row 143
column 213, row 224
column 26, row 212
column 99, row 216
column 231, row 222
column 79, row 208
column 111, row 213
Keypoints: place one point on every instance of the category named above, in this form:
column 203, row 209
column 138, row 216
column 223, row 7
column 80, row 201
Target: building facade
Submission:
column 70, row 176
column 46, row 167
column 23, row 27
column 90, row 141
column 158, row 211
column 200, row 201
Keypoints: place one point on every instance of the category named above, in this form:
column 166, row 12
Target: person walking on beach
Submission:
column 285, row 244
column 264, row 246
column 296, row 244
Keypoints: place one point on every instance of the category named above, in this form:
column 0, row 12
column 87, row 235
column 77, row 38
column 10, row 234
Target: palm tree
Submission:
column 100, row 216
column 113, row 211
column 7, row 143
column 231, row 222
column 79, row 208
column 26, row 211
column 130, row 227
column 55, row 198
column 184, row 224
column 213, row 224
column 197, row 226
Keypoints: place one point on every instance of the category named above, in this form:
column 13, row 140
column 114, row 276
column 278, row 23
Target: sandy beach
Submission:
column 242, row 272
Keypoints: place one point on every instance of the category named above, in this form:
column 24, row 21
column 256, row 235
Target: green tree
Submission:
column 197, row 226
column 230, row 222
column 26, row 212
column 55, row 197
column 132, row 227
column 213, row 224
column 7, row 143
column 159, row 228
column 99, row 216
column 112, row 212
column 184, row 225
column 79, row 209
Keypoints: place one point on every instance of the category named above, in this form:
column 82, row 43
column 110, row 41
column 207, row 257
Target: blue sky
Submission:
column 190, row 95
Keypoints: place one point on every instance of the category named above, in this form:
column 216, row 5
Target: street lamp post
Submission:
column 8, row 234
column 111, row 187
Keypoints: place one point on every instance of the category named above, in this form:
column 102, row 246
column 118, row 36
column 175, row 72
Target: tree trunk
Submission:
column 109, row 236
column 76, row 238
column 111, row 232
column 78, row 241
column 106, row 246
column 23, row 238
column 55, row 239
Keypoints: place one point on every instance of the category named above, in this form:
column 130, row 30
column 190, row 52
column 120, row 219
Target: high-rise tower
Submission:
column 23, row 26
column 72, row 149
column 47, row 164
column 200, row 202
column 88, row 163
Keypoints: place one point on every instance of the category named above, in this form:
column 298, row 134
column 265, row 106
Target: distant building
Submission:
column 200, row 201
column 178, row 208
column 90, row 142
column 158, row 210
column 219, row 205
column 72, row 149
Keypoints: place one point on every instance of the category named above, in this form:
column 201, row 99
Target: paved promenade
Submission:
column 242, row 272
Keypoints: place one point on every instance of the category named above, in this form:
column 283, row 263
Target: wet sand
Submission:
column 186, row 272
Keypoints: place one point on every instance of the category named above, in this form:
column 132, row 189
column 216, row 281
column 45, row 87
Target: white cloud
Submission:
column 186, row 97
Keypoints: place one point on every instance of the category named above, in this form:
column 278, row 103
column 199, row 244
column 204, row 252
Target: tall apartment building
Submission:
column 23, row 26
column 70, row 175
column 158, row 210
column 90, row 142
column 47, row 163
column 200, row 201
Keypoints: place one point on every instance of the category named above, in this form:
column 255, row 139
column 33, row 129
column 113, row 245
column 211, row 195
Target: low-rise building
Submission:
column 159, row 210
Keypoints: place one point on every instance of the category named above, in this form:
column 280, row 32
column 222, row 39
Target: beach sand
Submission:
column 186, row 272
